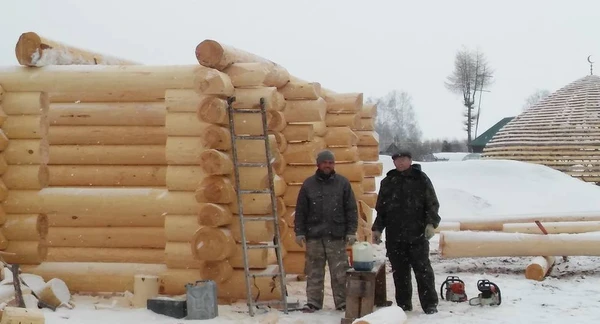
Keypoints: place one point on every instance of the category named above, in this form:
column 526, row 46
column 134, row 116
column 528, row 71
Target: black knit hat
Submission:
column 325, row 156
column 401, row 154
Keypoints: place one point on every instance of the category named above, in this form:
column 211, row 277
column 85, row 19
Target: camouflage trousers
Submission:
column 332, row 252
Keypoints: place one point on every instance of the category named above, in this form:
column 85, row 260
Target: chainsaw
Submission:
column 455, row 290
column 489, row 295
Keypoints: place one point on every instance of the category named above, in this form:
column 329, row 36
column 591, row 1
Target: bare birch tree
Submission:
column 471, row 75
column 534, row 98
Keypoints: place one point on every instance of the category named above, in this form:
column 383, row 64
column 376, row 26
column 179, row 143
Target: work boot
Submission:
column 309, row 308
column 430, row 310
column 406, row 308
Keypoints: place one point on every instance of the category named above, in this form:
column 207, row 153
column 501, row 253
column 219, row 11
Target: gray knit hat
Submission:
column 324, row 156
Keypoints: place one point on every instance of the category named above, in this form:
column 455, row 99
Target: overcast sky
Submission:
column 348, row 46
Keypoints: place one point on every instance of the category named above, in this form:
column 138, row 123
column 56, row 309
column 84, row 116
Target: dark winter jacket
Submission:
column 326, row 207
column 406, row 203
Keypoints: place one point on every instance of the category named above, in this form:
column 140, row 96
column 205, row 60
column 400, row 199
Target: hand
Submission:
column 300, row 240
column 376, row 237
column 429, row 231
column 350, row 239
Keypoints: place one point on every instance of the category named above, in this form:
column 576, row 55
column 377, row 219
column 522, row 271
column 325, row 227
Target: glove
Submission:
column 350, row 239
column 300, row 240
column 376, row 237
column 429, row 231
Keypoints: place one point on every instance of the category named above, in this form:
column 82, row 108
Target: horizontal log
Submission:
column 345, row 154
column 26, row 227
column 342, row 120
column 106, row 154
column 184, row 177
column 105, row 255
column 489, row 244
column 340, row 137
column 3, row 164
column 305, row 110
column 304, row 152
column 289, row 217
column 180, row 228
column 250, row 98
column 299, row 173
column 357, row 188
column 257, row 204
column 26, row 126
column 552, row 227
column 184, row 150
column 100, row 201
column 247, row 74
column 216, row 55
column 365, row 213
column 184, row 124
column 3, row 243
column 295, row 90
column 25, row 252
column 3, row 116
column 137, row 96
column 368, row 153
column 370, row 198
column 495, row 223
column 291, row 194
column 367, row 124
column 257, row 258
column 369, row 184
column 373, row 169
column 107, row 175
column 3, row 191
column 35, row 50
column 349, row 103
column 214, row 215
column 263, row 288
column 186, row 100
column 178, row 255
column 30, row 151
column 298, row 133
column 289, row 241
column 294, row 263
column 107, row 114
column 368, row 110
column 116, row 237
column 448, row 226
column 106, row 78
column 95, row 276
column 107, row 135
column 212, row 244
column 25, row 103
column 281, row 141
column 367, row 138
column 108, row 220
column 256, row 231
column 25, row 177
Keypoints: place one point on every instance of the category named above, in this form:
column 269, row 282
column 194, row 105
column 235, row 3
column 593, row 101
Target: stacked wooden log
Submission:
column 540, row 237
column 315, row 119
column 23, row 140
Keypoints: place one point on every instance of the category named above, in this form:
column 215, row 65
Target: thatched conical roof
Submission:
column 561, row 131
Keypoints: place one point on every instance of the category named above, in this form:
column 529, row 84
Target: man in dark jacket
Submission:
column 407, row 208
column 326, row 220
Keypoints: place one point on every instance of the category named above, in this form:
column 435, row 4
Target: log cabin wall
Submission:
column 128, row 169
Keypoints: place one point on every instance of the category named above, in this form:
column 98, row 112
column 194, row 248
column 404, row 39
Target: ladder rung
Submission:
column 255, row 191
column 261, row 246
column 247, row 110
column 252, row 164
column 264, row 274
column 250, row 137
column 258, row 218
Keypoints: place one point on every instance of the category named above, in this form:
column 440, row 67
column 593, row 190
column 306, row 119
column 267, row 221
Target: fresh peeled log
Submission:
column 55, row 293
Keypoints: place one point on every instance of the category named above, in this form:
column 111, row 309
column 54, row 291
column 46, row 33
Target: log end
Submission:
column 214, row 162
column 216, row 137
column 213, row 110
column 209, row 53
column 42, row 226
column 219, row 271
column 28, row 49
column 214, row 215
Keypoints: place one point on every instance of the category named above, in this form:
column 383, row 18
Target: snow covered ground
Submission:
column 467, row 190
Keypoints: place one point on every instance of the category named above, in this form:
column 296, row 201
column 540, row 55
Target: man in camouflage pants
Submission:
column 326, row 220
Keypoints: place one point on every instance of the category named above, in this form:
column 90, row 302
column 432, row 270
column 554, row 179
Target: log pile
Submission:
column 124, row 170
column 541, row 237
